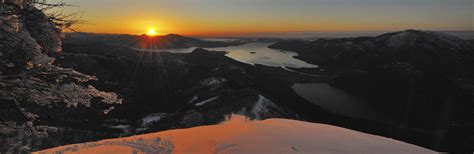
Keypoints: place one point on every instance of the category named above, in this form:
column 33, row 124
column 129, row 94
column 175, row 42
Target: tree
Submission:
column 55, row 12
column 12, row 10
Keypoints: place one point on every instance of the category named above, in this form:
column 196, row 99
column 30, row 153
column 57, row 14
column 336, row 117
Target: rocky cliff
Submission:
column 40, row 101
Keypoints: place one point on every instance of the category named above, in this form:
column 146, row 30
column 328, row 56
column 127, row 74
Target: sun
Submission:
column 151, row 32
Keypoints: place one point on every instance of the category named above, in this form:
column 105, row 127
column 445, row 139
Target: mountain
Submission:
column 161, row 91
column 151, row 83
column 430, row 51
column 170, row 41
column 239, row 136
column 419, row 79
column 89, row 88
column 173, row 88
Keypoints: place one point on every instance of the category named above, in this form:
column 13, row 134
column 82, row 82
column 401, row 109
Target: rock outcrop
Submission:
column 39, row 101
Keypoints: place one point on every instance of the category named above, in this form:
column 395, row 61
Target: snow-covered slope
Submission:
column 241, row 136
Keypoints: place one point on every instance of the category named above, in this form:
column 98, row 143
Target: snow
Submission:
column 152, row 118
column 108, row 110
column 213, row 82
column 123, row 127
column 207, row 101
column 410, row 37
column 399, row 39
column 241, row 136
column 260, row 108
column 195, row 98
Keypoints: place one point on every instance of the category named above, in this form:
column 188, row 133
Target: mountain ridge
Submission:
column 411, row 76
column 169, row 41
column 363, row 52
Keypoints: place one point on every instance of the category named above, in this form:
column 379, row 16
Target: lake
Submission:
column 334, row 100
column 257, row 53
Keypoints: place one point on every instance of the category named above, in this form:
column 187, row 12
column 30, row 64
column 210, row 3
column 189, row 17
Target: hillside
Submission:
column 418, row 79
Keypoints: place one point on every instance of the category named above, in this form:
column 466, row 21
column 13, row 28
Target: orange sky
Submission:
column 230, row 17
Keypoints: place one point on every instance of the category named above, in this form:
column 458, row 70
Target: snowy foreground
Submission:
column 241, row 136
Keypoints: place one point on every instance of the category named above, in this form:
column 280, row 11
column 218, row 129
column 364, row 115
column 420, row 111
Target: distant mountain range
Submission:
column 311, row 35
column 170, row 41
column 430, row 51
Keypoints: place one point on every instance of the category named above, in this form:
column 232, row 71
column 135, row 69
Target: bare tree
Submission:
column 55, row 12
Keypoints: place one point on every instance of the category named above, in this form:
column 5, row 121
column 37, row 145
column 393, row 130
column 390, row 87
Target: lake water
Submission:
column 334, row 100
column 219, row 39
column 257, row 53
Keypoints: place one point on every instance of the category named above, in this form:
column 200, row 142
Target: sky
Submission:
column 240, row 17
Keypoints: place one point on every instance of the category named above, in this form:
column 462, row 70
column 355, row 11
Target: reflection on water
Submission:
column 257, row 53
column 219, row 39
column 334, row 100
column 263, row 55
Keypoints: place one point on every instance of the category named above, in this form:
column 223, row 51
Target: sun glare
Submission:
column 151, row 32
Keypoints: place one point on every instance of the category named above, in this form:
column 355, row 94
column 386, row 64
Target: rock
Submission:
column 192, row 119
column 46, row 33
column 16, row 40
column 44, row 101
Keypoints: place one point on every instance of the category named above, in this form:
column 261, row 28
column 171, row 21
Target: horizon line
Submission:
column 255, row 34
